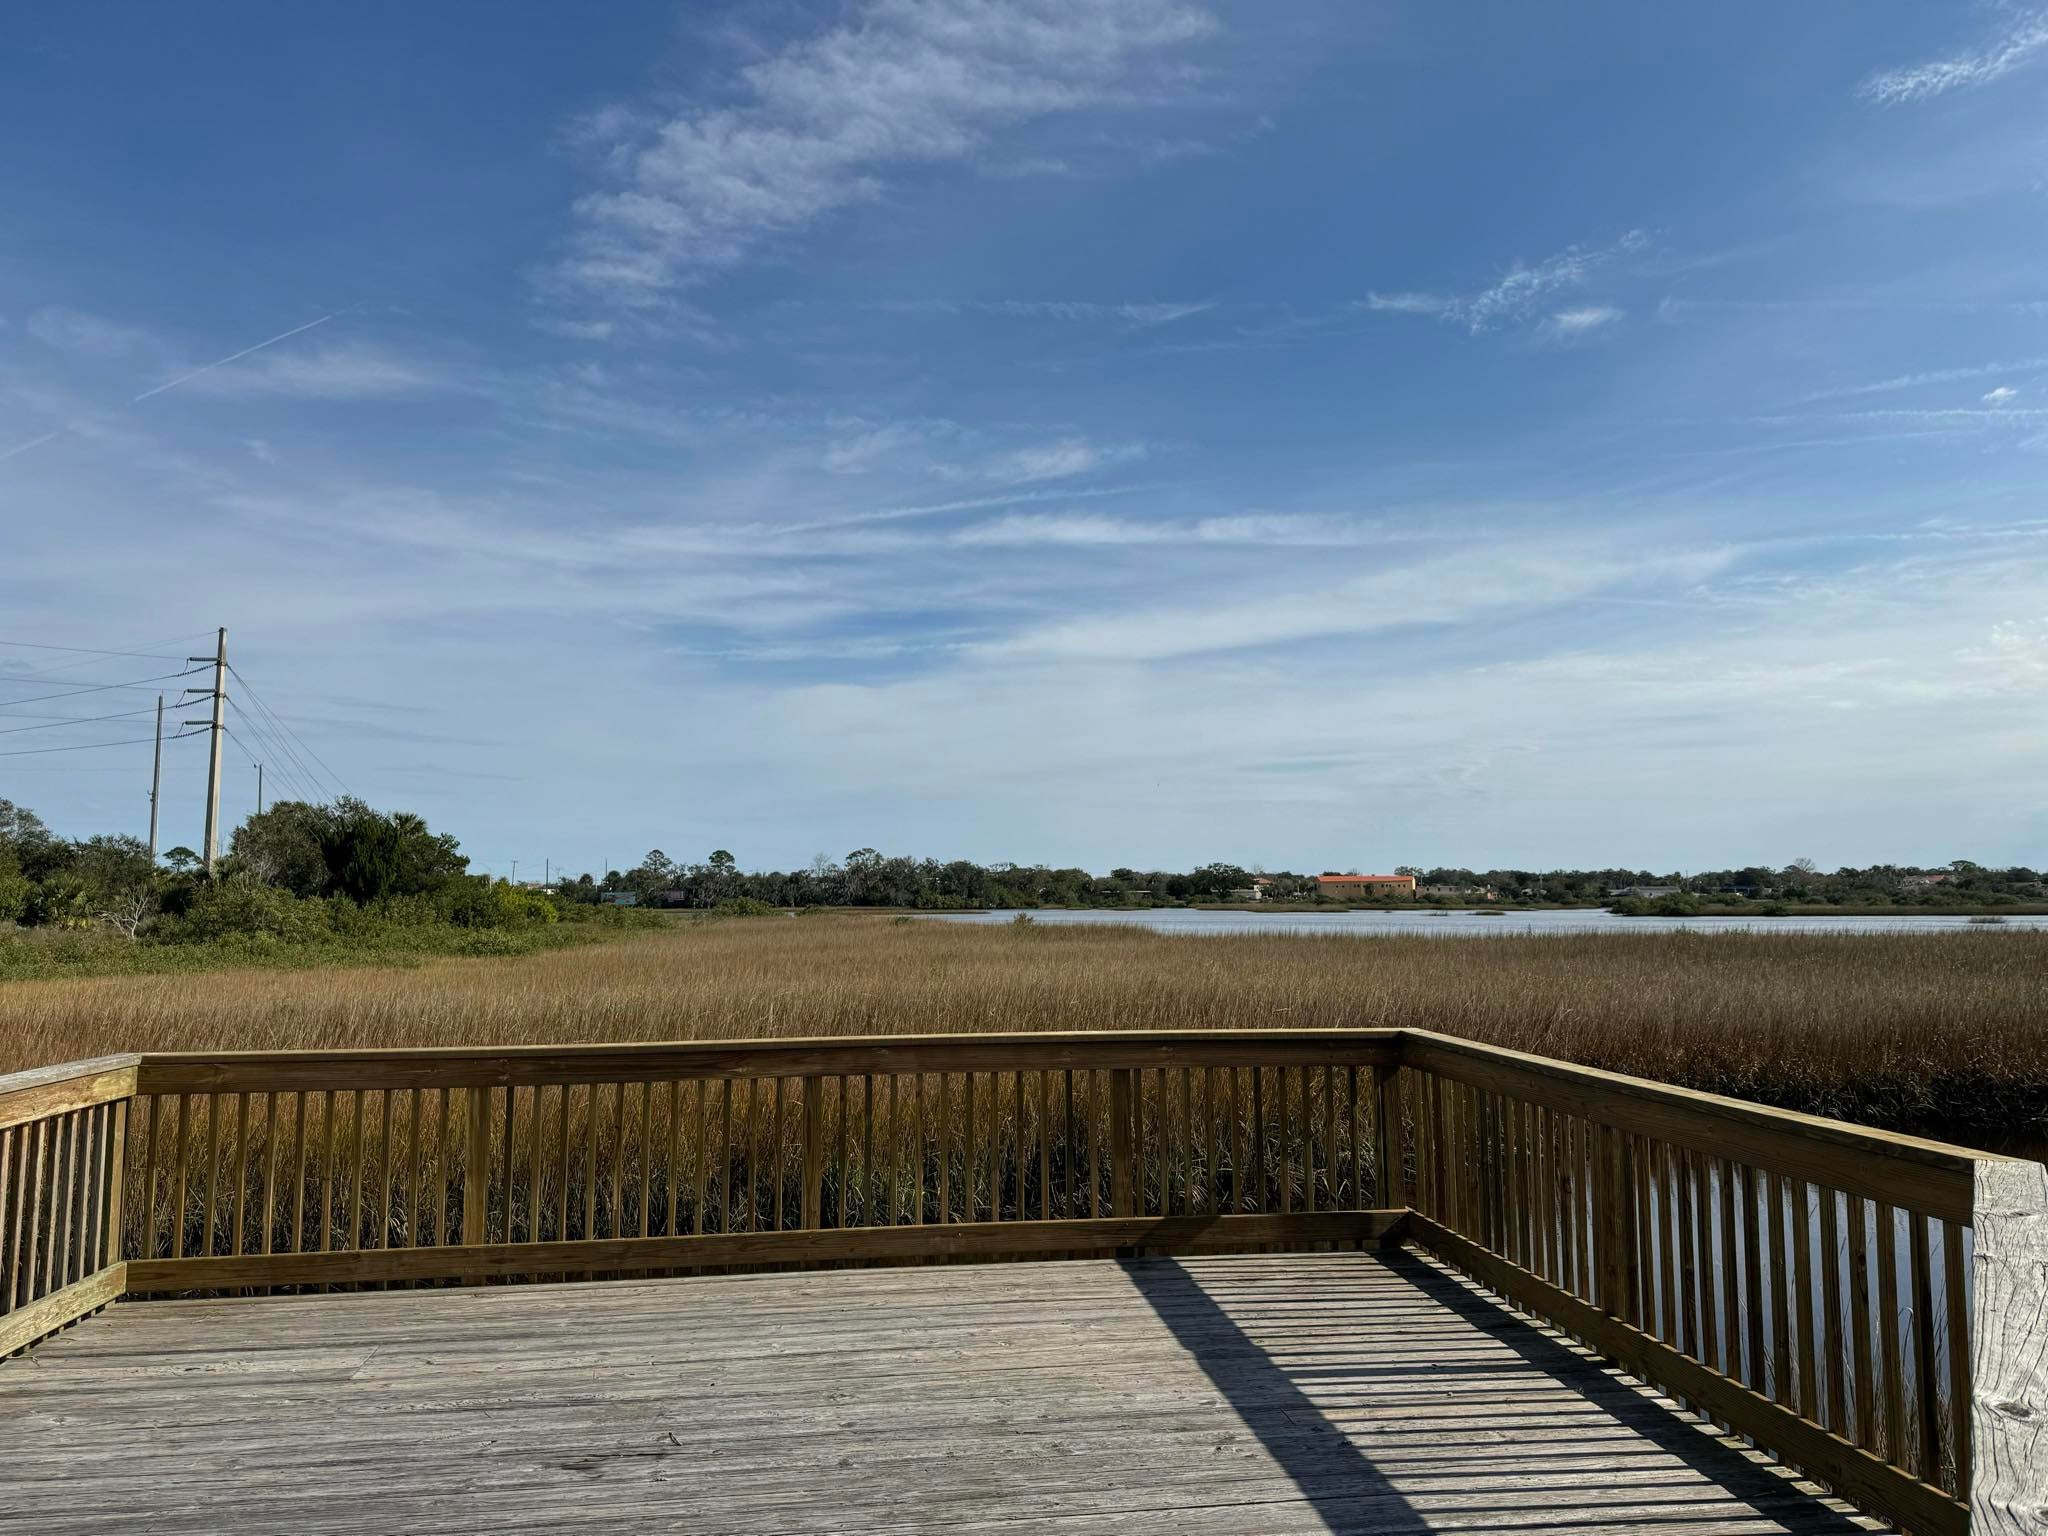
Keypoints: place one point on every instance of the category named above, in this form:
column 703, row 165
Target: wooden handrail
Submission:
column 655, row 1061
column 1932, row 1177
column 44, row 1091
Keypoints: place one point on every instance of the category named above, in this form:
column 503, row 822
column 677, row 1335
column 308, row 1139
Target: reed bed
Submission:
column 1937, row 1033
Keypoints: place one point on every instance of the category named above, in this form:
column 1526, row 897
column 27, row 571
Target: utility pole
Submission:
column 259, row 789
column 218, row 726
column 156, row 776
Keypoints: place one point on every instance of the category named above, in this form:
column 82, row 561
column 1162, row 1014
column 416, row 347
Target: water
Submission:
column 1374, row 923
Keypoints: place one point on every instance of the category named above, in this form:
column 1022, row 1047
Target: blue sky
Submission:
column 1099, row 431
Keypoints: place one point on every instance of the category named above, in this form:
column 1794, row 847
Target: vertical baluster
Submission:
column 1753, row 1275
column 416, row 1186
column 1860, row 1315
column 115, row 1225
column 646, row 1150
column 1355, row 1130
column 476, row 1166
column 1044, row 1146
column 1669, row 1325
column 895, row 1186
column 1888, row 1336
column 943, row 1137
column 1955, row 1299
column 152, row 1157
column 750, row 1157
column 330, row 1136
column 63, row 1185
column 1567, row 1179
column 1804, row 1295
column 241, row 1155
column 180, row 1140
column 725, row 1154
column 536, row 1124
column 1731, row 1274
column 1688, row 1266
column 701, row 1166
column 1828, row 1336
column 1709, row 1338
column 507, row 1172
column 564, row 1092
column 10, row 1209
column 355, row 1170
column 615, row 1198
column 968, row 1150
column 1927, row 1391
column 298, row 1163
column 1237, row 1152
column 32, row 1200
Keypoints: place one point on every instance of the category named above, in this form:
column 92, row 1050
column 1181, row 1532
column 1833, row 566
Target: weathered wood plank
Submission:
column 45, row 1091
column 2008, row 1438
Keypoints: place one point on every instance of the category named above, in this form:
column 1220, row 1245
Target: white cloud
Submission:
column 1932, row 376
column 1576, row 322
column 70, row 330
column 822, row 122
column 1141, row 315
column 1098, row 529
column 2000, row 395
column 1059, row 460
column 2021, row 43
column 335, row 373
column 1519, row 293
column 1454, row 588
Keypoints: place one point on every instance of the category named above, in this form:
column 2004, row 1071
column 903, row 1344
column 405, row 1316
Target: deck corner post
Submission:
column 2008, row 1476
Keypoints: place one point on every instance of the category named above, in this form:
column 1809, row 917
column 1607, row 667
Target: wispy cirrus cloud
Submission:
column 1097, row 530
column 333, row 373
column 1925, row 377
column 1567, row 323
column 71, row 330
column 1059, row 460
column 2023, row 42
column 1142, row 315
column 820, row 124
column 1517, row 295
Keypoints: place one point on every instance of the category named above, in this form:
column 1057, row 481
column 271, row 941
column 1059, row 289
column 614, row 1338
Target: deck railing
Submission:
column 1871, row 1308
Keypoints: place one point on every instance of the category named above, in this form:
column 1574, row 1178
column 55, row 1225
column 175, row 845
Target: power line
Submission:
column 291, row 736
column 88, row 746
column 298, row 779
column 136, row 684
column 55, row 721
column 88, row 650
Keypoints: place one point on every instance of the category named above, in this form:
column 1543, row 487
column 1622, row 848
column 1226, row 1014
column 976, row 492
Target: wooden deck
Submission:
column 1345, row 1392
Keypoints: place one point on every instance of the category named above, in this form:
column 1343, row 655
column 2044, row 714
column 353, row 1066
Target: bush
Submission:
column 745, row 906
column 232, row 908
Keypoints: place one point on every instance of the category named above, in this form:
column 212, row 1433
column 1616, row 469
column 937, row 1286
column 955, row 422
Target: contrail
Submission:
column 34, row 442
column 184, row 378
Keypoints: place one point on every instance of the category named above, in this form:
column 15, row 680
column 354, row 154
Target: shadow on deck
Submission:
column 1272, row 1394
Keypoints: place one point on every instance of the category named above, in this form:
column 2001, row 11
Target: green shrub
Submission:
column 745, row 906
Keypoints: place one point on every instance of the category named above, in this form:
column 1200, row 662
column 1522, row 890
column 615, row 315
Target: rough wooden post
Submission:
column 814, row 1151
column 476, row 1166
column 1389, row 1178
column 2009, row 1349
column 1123, row 1147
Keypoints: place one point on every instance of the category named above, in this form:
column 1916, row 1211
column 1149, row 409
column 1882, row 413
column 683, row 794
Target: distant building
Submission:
column 1249, row 893
column 1647, row 892
column 619, row 899
column 1920, row 881
column 1459, row 892
column 1366, row 885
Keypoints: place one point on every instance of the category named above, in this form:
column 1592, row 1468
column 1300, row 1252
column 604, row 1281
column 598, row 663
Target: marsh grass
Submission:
column 1941, row 1033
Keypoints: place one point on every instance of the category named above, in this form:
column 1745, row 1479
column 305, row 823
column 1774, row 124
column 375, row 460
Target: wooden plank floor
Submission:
column 1266, row 1395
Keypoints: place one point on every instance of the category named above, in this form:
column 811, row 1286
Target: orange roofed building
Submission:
column 1366, row 885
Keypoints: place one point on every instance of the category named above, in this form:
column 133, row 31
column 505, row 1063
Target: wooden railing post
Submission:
column 476, row 1166
column 1390, row 1185
column 111, row 1243
column 814, row 1151
column 1123, row 1143
column 2007, row 1474
column 1607, row 1221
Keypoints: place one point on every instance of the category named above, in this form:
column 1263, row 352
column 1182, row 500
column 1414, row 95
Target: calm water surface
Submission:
column 1431, row 921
